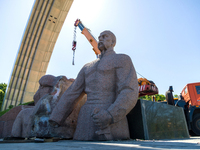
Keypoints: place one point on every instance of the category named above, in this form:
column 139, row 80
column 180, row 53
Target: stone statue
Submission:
column 34, row 122
column 111, row 85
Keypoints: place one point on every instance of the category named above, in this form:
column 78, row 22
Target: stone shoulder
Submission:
column 117, row 59
column 90, row 63
column 123, row 57
column 123, row 60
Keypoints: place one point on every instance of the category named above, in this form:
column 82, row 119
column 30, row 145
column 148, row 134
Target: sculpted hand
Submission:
column 101, row 118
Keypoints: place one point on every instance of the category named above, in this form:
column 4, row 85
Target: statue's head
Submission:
column 50, row 84
column 46, row 86
column 107, row 40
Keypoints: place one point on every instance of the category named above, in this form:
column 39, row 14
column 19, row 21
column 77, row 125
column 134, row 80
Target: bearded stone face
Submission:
column 105, row 41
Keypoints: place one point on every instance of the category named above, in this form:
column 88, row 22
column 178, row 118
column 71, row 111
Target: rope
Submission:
column 73, row 57
column 75, row 33
column 74, row 45
column 140, row 74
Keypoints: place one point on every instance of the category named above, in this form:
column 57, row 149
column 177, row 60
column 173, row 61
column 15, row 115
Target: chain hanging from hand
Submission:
column 74, row 45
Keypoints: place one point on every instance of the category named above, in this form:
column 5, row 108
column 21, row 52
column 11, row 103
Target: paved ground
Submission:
column 192, row 143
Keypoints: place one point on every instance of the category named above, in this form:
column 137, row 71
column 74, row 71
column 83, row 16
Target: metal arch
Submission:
column 41, row 33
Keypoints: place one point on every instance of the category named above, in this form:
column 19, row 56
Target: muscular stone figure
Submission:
column 33, row 122
column 111, row 85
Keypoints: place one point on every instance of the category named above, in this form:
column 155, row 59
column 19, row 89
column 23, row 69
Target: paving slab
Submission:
column 191, row 143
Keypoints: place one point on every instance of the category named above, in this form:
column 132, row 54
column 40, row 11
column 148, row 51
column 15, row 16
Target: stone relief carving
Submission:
column 34, row 122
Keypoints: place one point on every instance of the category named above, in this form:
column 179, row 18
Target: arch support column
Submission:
column 44, row 25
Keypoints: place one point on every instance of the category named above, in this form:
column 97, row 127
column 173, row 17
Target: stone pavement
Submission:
column 192, row 143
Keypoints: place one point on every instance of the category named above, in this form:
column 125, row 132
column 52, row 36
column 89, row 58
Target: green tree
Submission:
column 2, row 92
column 146, row 97
column 3, row 87
column 159, row 97
column 1, row 97
column 175, row 96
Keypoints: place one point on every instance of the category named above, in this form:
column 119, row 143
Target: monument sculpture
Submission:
column 111, row 85
column 33, row 122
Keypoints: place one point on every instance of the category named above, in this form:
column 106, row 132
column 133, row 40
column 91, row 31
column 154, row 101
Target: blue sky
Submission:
column 162, row 37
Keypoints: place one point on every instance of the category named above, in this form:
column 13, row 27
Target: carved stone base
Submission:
column 155, row 120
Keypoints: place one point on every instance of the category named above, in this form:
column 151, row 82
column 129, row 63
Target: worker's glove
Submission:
column 101, row 118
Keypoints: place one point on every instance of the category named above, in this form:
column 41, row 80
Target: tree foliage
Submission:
column 159, row 97
column 175, row 96
column 2, row 92
column 3, row 87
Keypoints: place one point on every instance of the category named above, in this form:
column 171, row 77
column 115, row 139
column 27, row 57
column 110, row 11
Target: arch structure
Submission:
column 42, row 30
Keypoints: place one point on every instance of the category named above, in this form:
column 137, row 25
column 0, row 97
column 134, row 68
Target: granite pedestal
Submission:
column 155, row 120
